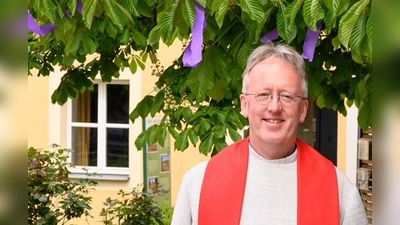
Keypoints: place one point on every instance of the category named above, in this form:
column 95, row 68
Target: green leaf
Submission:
column 158, row 103
column 72, row 45
column 50, row 10
column 359, row 31
column 114, row 13
column 151, row 134
column 365, row 115
column 133, row 65
column 166, row 22
column 219, row 130
column 321, row 101
column 143, row 108
column 144, row 9
column 89, row 45
column 314, row 84
column 173, row 132
column 219, row 90
column 286, row 30
column 63, row 94
column 125, row 37
column 243, row 54
column 335, row 42
column 72, row 6
column 193, row 137
column 89, row 8
column 140, row 141
column 206, row 145
column 201, row 79
column 330, row 21
column 337, row 7
column 154, row 36
column 369, row 30
column 161, row 135
column 204, row 125
column 292, row 9
column 139, row 38
column 108, row 69
column 349, row 21
column 253, row 9
column 182, row 142
column 140, row 63
column 234, row 134
column 188, row 12
column 220, row 7
column 131, row 5
column 68, row 27
column 202, row 2
column 312, row 13
column 220, row 144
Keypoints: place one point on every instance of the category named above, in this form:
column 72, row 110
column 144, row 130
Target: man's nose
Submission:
column 275, row 104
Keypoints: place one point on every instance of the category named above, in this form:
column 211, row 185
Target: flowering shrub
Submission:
column 134, row 207
column 53, row 198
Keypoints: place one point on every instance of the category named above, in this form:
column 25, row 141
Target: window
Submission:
column 99, row 129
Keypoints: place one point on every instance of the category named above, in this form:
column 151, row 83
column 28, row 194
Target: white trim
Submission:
column 107, row 173
column 60, row 124
column 352, row 134
column 114, row 174
column 101, row 121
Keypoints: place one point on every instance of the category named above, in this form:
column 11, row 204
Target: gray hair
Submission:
column 283, row 51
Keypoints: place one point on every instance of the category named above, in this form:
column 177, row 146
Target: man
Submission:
column 271, row 177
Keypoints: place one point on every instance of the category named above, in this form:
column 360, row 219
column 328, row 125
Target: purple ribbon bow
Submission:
column 193, row 53
column 270, row 36
column 48, row 28
column 310, row 43
column 36, row 28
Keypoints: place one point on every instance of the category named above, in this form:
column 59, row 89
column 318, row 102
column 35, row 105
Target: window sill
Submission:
column 99, row 175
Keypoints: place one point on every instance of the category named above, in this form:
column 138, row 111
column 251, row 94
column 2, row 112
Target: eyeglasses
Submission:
column 285, row 98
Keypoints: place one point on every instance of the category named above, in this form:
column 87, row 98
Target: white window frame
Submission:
column 101, row 170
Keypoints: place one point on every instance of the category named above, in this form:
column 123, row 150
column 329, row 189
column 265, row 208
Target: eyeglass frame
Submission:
column 271, row 96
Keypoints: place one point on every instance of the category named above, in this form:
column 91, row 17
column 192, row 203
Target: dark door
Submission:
column 326, row 133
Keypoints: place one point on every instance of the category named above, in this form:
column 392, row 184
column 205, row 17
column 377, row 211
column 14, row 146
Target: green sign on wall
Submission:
column 157, row 169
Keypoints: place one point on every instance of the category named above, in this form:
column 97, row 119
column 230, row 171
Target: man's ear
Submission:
column 244, row 105
column 303, row 110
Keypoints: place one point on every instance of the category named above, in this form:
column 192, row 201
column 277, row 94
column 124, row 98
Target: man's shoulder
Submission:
column 343, row 181
column 197, row 169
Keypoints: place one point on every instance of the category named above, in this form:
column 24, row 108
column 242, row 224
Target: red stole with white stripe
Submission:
column 224, row 182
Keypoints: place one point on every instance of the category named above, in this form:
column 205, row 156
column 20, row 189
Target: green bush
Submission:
column 52, row 197
column 167, row 211
column 134, row 207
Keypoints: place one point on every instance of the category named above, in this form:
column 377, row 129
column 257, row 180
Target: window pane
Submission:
column 84, row 108
column 84, row 146
column 117, row 147
column 117, row 103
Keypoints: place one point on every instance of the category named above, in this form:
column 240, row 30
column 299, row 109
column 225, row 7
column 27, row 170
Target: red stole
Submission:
column 224, row 182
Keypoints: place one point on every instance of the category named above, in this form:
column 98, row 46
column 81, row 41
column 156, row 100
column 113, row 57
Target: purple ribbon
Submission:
column 310, row 43
column 193, row 53
column 36, row 28
column 48, row 28
column 270, row 36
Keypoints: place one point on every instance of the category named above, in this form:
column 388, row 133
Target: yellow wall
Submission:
column 37, row 105
column 47, row 125
column 180, row 161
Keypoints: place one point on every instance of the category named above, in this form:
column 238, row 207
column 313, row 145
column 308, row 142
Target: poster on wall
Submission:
column 158, row 170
